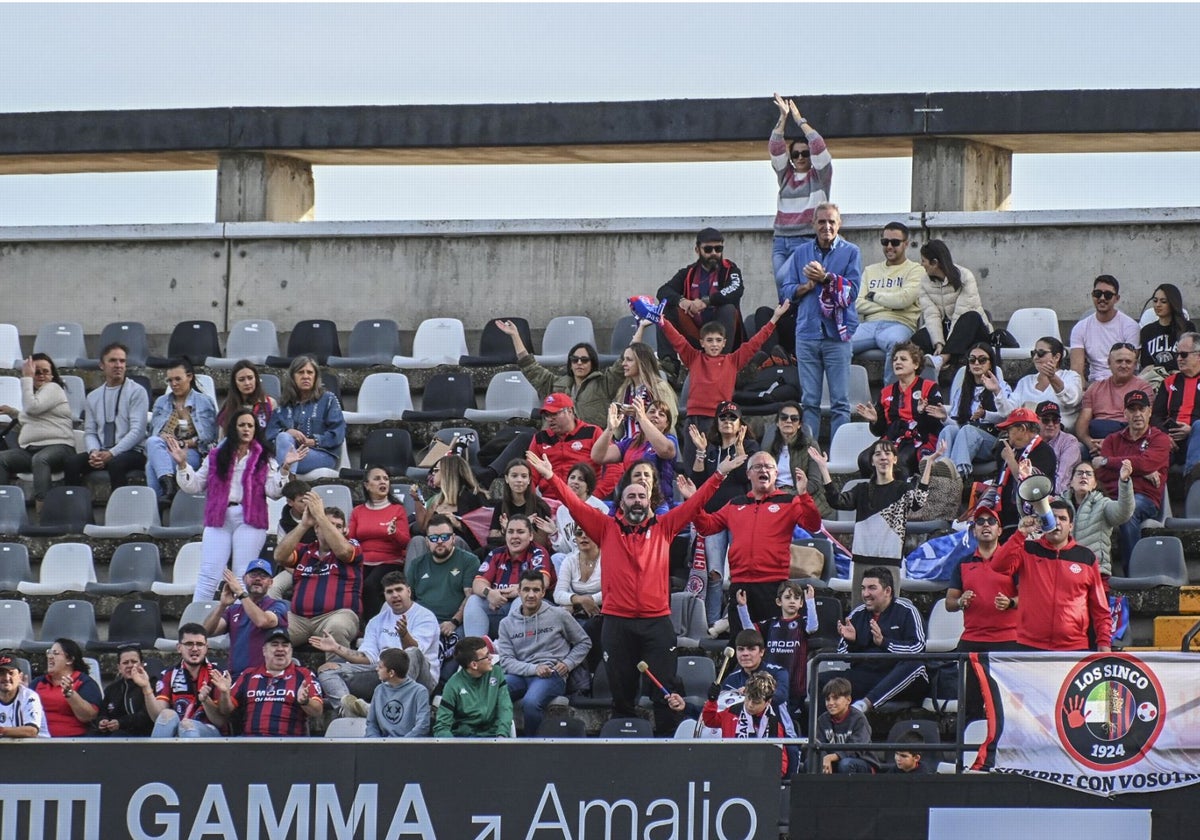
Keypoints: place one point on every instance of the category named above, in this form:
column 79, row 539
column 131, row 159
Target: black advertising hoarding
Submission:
column 387, row 790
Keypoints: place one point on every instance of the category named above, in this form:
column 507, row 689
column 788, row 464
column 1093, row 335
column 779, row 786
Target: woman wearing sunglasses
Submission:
column 1050, row 381
column 583, row 381
column 789, row 447
column 1158, row 337
column 804, row 169
column 974, row 409
column 950, row 306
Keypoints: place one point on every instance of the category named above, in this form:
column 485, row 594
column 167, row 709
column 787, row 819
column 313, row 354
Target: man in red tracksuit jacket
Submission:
column 760, row 526
column 565, row 441
column 635, row 545
column 1058, row 585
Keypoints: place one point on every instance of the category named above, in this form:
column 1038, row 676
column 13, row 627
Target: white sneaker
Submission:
column 354, row 706
column 720, row 628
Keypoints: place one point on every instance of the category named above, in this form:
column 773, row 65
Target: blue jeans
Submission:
column 479, row 619
column 966, row 444
column 781, row 251
column 884, row 335
column 828, row 359
column 159, row 462
column 316, row 459
column 1131, row 531
column 168, row 725
column 715, row 549
column 536, row 693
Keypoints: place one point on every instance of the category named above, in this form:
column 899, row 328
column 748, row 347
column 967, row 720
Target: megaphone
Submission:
column 1037, row 490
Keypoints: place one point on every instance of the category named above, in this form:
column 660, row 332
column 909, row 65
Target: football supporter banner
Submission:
column 1103, row 723
column 319, row 789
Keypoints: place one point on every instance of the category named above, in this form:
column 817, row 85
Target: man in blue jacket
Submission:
column 822, row 280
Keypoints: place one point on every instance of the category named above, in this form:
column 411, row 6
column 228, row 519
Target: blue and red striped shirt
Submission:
column 246, row 640
column 324, row 584
column 500, row 568
column 269, row 701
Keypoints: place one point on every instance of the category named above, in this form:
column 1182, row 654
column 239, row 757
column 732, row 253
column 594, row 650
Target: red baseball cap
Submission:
column 556, row 403
column 985, row 508
column 1019, row 415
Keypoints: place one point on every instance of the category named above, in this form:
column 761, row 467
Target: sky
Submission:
column 99, row 56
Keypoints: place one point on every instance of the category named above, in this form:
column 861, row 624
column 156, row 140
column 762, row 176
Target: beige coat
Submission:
column 939, row 300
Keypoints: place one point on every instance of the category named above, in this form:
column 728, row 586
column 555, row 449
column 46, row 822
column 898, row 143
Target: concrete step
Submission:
column 1189, row 600
column 1169, row 631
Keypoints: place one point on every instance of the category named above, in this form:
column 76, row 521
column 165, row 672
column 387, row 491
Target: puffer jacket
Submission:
column 1096, row 516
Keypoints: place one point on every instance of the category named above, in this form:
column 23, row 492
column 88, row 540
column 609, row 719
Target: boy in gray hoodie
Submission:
column 400, row 706
column 539, row 645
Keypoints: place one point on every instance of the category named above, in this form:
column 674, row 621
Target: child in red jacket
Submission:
column 752, row 718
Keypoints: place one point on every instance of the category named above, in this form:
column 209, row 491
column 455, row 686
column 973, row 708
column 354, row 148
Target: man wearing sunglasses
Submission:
column 1177, row 406
column 710, row 289
column 887, row 301
column 1094, row 336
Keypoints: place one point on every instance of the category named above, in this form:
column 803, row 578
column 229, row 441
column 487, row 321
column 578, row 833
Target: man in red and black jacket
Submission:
column 636, row 547
column 565, row 441
column 1177, row 406
column 710, row 289
column 1058, row 582
column 760, row 526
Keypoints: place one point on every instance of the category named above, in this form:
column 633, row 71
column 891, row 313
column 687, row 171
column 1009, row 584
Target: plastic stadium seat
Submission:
column 389, row 448
column 66, row 567
column 253, row 339
column 16, row 624
column 62, row 341
column 1191, row 512
column 569, row 727
column 186, row 518
column 829, row 613
column 627, row 728
column 447, row 397
column 12, row 508
column 66, row 510
column 563, row 333
column 689, row 619
column 336, row 495
column 495, row 347
column 829, row 571
column 271, row 385
column 761, row 395
column 944, row 628
column 974, row 734
column 1156, row 561
column 11, row 355
column 194, row 340
column 847, row 443
column 622, row 334
column 132, row 621
column 135, row 567
column 10, row 394
column 68, row 619
column 130, row 510
column 439, row 341
column 372, row 342
column 601, row 696
column 330, row 472
column 347, row 727
column 697, row 674
column 130, row 333
column 76, row 395
column 928, row 730
column 205, row 385
column 14, row 566
column 509, row 395
column 1027, row 326
column 313, row 337
column 381, row 397
column 144, row 381
column 331, row 381
column 858, row 389
column 184, row 572
column 195, row 612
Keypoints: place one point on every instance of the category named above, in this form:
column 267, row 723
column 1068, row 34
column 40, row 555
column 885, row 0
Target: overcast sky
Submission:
column 67, row 57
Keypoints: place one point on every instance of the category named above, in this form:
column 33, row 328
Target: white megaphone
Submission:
column 1037, row 490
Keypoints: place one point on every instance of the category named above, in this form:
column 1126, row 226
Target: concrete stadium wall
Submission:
column 540, row 268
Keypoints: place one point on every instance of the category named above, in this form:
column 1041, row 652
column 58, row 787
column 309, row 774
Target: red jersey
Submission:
column 564, row 452
column 636, row 580
column 369, row 527
column 760, row 533
column 982, row 622
column 269, row 701
column 180, row 691
column 500, row 568
column 324, row 584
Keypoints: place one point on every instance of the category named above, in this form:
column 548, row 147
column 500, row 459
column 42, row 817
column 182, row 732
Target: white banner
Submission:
column 1104, row 723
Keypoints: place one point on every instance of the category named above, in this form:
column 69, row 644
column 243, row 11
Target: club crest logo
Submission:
column 1110, row 711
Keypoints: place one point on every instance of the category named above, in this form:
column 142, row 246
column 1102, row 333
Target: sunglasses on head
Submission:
column 800, row 153
column 893, row 243
column 713, row 249
column 1101, row 294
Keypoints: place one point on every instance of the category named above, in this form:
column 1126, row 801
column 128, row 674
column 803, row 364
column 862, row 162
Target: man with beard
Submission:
column 887, row 305
column 277, row 700
column 248, row 613
column 635, row 545
column 185, row 704
column 710, row 289
column 1058, row 582
column 441, row 582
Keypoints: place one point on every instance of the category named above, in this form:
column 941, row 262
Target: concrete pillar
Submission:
column 952, row 174
column 253, row 187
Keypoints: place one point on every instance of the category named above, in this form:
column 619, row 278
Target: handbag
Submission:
column 1002, row 339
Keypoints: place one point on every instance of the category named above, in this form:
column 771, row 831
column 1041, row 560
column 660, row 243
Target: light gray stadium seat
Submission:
column 130, row 510
column 253, row 339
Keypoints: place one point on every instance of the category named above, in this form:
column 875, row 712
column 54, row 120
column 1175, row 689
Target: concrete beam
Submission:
column 954, row 174
column 264, row 188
